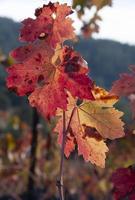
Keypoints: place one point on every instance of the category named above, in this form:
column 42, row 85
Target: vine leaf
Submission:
column 33, row 63
column 46, row 75
column 119, row 178
column 51, row 24
column 91, row 124
column 125, row 86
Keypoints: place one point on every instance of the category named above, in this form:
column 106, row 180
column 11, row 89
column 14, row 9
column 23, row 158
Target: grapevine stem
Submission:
column 60, row 183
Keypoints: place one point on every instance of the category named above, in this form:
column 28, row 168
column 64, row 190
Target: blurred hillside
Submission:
column 9, row 31
column 106, row 59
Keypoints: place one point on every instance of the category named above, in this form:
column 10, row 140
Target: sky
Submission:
column 118, row 22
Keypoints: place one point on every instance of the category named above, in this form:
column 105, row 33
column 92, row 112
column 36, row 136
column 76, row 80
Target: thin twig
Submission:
column 60, row 184
column 60, row 181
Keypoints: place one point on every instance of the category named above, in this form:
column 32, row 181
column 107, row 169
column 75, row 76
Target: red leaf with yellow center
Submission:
column 47, row 75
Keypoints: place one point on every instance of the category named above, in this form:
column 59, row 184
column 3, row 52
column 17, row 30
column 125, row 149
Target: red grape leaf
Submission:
column 49, row 97
column 46, row 75
column 125, row 86
column 34, row 63
column 51, row 24
column 124, row 183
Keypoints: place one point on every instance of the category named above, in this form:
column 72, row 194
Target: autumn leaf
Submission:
column 125, row 86
column 51, row 24
column 49, row 97
column 46, row 74
column 69, row 74
column 124, row 183
column 90, row 146
column 33, row 64
column 91, row 123
column 104, row 118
